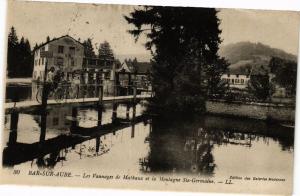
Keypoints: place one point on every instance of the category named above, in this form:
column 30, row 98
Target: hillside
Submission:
column 243, row 55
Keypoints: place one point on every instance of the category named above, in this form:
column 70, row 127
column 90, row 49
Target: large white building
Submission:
column 67, row 56
column 237, row 80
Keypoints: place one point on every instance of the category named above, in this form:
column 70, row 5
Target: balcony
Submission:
column 96, row 63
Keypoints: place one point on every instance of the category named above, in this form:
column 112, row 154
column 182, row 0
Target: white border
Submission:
column 248, row 4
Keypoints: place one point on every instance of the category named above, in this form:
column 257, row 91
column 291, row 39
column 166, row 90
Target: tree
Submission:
column 35, row 46
column 19, row 56
column 106, row 55
column 214, row 71
column 12, row 37
column 118, row 63
column 184, row 42
column 29, row 58
column 48, row 39
column 260, row 87
column 285, row 72
column 11, row 51
column 89, row 49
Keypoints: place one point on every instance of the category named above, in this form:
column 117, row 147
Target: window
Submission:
column 237, row 80
column 242, row 81
column 60, row 61
column 61, row 49
column 232, row 81
column 72, row 62
column 106, row 76
column 72, row 50
column 55, row 121
column 42, row 61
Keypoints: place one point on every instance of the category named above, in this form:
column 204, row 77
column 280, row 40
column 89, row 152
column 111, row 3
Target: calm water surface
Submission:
column 204, row 146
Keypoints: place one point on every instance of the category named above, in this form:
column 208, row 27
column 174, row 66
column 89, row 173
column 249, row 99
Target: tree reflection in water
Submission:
column 187, row 146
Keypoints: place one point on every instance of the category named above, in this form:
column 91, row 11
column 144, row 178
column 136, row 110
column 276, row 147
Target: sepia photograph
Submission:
column 164, row 98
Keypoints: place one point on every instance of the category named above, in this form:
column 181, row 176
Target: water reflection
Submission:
column 117, row 138
column 191, row 146
column 46, row 135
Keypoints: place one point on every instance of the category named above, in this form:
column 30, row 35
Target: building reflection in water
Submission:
column 168, row 147
column 56, row 135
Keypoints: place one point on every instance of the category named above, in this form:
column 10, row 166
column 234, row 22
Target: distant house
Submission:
column 95, row 70
column 137, row 72
column 67, row 56
column 236, row 79
column 95, row 65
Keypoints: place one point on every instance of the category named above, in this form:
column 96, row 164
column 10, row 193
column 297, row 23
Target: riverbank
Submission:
column 263, row 111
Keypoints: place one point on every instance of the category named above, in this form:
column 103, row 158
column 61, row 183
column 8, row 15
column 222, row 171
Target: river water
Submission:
column 210, row 146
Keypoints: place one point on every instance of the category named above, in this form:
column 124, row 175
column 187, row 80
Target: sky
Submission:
column 37, row 20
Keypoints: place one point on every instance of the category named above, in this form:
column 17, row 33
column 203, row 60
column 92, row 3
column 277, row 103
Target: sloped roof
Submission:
column 138, row 67
column 125, row 67
column 238, row 72
column 54, row 39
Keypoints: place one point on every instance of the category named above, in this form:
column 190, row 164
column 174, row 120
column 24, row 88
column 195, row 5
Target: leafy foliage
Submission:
column 106, row 54
column 285, row 72
column 261, row 87
column 184, row 43
column 89, row 49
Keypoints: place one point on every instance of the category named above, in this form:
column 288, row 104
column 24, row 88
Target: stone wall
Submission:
column 264, row 111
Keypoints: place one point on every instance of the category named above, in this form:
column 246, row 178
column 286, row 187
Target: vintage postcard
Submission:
column 150, row 97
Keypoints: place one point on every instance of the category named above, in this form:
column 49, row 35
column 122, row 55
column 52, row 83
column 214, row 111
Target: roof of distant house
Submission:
column 138, row 67
column 54, row 39
column 238, row 72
